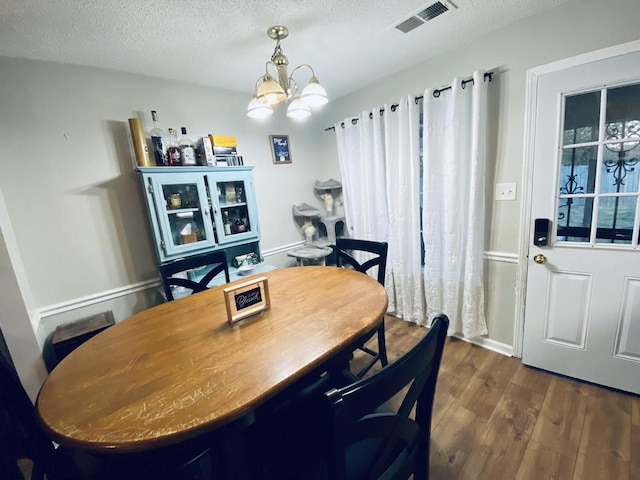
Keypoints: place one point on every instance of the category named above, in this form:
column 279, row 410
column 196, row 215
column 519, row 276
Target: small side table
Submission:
column 311, row 254
column 69, row 336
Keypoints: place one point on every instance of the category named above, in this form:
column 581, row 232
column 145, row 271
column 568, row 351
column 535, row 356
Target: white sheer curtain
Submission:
column 361, row 158
column 454, row 157
column 402, row 154
column 379, row 163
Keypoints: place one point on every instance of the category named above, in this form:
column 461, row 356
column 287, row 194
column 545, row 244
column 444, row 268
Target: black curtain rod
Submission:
column 436, row 94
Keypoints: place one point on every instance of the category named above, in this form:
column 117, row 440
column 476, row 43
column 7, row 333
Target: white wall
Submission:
column 17, row 310
column 573, row 28
column 74, row 200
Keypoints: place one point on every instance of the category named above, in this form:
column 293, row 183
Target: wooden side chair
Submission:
column 349, row 432
column 376, row 256
column 217, row 260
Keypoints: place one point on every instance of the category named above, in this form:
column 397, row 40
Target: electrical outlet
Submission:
column 505, row 191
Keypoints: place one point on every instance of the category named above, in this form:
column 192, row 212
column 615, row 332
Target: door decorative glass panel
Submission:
column 598, row 178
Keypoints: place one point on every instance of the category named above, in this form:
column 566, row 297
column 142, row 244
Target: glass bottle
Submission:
column 240, row 226
column 174, row 152
column 158, row 142
column 227, row 223
column 188, row 149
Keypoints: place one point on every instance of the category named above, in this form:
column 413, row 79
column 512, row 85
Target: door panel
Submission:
column 582, row 312
column 566, row 323
column 628, row 342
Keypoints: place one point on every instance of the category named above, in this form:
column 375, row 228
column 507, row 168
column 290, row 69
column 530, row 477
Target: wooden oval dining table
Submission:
column 180, row 369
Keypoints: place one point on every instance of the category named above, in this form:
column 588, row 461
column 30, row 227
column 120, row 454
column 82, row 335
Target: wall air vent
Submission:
column 429, row 13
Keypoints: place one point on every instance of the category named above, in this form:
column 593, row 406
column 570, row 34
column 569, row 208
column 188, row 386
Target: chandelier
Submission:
column 269, row 92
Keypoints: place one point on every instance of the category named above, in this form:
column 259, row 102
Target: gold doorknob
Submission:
column 539, row 258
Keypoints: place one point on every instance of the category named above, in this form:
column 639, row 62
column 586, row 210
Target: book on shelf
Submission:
column 229, row 160
column 224, row 144
column 205, row 150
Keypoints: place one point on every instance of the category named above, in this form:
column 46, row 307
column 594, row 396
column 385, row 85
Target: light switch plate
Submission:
column 505, row 191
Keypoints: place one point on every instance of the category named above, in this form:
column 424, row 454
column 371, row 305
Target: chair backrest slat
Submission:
column 217, row 260
column 344, row 255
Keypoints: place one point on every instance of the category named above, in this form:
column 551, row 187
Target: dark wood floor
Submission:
column 495, row 418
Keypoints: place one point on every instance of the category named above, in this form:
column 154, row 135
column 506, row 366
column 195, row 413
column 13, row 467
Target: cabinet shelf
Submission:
column 232, row 205
column 178, row 211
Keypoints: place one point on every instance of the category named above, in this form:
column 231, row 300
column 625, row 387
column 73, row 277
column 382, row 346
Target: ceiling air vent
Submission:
column 409, row 24
column 432, row 11
column 423, row 16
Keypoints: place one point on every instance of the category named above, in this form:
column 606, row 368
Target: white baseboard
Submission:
column 489, row 344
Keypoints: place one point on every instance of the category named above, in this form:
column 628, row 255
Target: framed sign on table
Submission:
column 280, row 149
column 247, row 299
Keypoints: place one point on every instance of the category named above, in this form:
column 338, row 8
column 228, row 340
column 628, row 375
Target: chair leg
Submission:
column 381, row 354
column 382, row 345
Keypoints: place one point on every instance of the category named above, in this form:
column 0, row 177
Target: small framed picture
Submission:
column 280, row 149
column 246, row 299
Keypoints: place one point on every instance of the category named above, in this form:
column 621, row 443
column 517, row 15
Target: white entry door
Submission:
column 582, row 312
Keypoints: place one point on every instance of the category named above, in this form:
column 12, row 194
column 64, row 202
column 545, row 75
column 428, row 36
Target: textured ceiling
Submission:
column 224, row 43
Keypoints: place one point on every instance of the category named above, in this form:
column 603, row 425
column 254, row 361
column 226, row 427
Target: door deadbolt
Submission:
column 539, row 258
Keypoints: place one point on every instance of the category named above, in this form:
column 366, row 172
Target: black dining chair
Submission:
column 375, row 254
column 27, row 451
column 350, row 432
column 216, row 260
column 23, row 443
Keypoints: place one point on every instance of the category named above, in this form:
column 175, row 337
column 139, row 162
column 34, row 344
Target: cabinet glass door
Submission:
column 234, row 212
column 184, row 214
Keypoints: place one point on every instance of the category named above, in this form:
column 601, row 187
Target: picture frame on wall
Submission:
column 280, row 149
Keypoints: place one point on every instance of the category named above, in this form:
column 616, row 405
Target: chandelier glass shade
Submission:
column 298, row 108
column 270, row 92
column 258, row 110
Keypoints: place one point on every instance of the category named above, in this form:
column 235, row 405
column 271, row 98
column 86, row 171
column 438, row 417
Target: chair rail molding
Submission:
column 502, row 257
column 282, row 249
column 95, row 298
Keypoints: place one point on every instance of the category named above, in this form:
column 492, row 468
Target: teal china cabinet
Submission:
column 194, row 210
